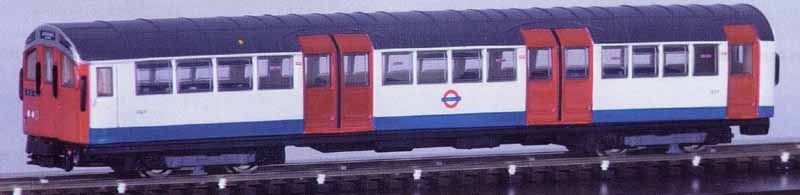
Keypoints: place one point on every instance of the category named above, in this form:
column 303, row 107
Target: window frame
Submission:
column 221, row 63
column 385, row 64
column 457, row 79
column 654, row 61
column 585, row 66
column 153, row 73
column 741, row 50
column 98, row 80
column 624, row 58
column 686, row 66
column 695, row 56
column 49, row 62
column 67, row 74
column 500, row 75
column 535, row 60
column 419, row 64
column 347, row 75
column 30, row 68
column 194, row 74
column 262, row 86
column 306, row 73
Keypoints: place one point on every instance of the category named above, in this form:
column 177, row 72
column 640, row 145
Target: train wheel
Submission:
column 241, row 169
column 693, row 148
column 155, row 173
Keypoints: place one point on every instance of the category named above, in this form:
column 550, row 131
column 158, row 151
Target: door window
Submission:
column 31, row 61
column 48, row 59
column 539, row 63
column 67, row 71
column 356, row 70
column 577, row 63
column 318, row 72
column 105, row 82
column 741, row 57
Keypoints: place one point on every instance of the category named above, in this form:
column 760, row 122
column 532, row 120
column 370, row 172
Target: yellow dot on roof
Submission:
column 241, row 42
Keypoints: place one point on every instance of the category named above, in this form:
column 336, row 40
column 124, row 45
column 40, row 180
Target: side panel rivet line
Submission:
column 512, row 169
column 121, row 188
column 696, row 160
column 417, row 174
column 320, row 179
column 604, row 165
column 222, row 183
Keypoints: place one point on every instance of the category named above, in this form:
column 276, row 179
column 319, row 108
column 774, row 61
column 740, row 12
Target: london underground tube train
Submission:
column 154, row 95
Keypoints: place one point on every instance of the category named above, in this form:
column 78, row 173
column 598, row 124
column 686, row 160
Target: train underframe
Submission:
column 233, row 155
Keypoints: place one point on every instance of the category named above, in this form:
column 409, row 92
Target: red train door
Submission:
column 47, row 110
column 576, row 82
column 355, row 70
column 337, row 83
column 32, row 87
column 320, row 95
column 542, row 90
column 743, row 67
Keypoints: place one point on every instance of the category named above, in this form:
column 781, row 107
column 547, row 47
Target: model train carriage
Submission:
column 170, row 93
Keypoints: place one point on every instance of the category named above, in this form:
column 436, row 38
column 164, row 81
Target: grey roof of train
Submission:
column 148, row 38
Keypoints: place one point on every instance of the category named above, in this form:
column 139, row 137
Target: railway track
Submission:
column 425, row 172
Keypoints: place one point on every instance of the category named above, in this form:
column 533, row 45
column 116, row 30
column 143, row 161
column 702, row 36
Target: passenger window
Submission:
column 432, row 67
column 397, row 68
column 615, row 62
column 676, row 60
column 577, row 63
column 67, row 71
column 356, row 69
column 275, row 72
column 705, row 60
column 467, row 66
column 502, row 65
column 105, row 82
column 194, row 76
column 644, row 61
column 234, row 74
column 31, row 61
column 154, row 77
column 48, row 58
column 741, row 59
column 539, row 63
column 318, row 72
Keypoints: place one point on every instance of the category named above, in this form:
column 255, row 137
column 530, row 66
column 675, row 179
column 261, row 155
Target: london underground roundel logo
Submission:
column 451, row 99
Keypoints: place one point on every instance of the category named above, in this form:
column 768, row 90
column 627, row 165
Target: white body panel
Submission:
column 199, row 108
column 425, row 99
column 103, row 111
column 661, row 92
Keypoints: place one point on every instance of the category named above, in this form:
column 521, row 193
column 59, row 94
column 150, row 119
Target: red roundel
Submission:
column 451, row 99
